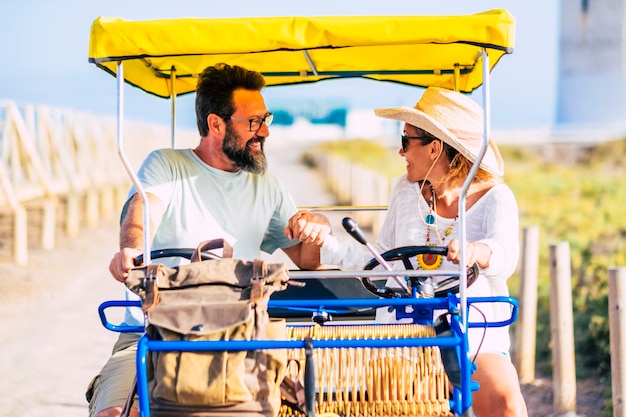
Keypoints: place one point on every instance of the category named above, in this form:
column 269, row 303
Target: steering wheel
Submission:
column 186, row 253
column 201, row 253
column 430, row 287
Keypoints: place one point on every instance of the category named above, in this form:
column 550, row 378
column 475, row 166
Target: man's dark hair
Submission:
column 214, row 93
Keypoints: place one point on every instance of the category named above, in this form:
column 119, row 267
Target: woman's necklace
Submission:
column 431, row 261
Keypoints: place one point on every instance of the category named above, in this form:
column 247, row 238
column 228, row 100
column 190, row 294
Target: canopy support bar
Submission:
column 310, row 61
column 173, row 95
column 126, row 163
column 465, row 189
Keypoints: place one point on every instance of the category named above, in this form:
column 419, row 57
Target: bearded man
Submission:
column 219, row 190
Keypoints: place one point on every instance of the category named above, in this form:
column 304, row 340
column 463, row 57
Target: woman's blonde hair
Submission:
column 460, row 167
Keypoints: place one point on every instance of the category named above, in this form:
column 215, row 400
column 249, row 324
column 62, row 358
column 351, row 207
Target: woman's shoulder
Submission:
column 500, row 192
column 500, row 189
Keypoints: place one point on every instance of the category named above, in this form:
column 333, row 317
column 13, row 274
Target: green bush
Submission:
column 579, row 201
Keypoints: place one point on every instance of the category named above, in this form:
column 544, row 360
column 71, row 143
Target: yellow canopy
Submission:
column 414, row 50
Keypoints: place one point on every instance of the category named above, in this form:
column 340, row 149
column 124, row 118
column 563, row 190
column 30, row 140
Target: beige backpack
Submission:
column 221, row 299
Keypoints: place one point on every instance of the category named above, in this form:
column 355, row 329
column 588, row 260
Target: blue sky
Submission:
column 44, row 46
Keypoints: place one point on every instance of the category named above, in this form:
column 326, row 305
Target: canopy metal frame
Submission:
column 462, row 197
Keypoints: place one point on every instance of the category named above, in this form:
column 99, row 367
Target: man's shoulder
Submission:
column 269, row 175
column 269, row 179
column 172, row 153
column 268, row 184
column 169, row 156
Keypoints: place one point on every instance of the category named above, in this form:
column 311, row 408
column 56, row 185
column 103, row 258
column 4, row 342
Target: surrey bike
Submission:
column 356, row 367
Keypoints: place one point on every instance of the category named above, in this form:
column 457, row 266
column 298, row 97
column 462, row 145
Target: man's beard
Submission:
column 244, row 158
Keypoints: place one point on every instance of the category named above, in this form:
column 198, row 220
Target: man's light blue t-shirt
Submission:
column 250, row 211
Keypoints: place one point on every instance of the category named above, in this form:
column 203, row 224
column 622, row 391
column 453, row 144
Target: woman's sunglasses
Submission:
column 405, row 140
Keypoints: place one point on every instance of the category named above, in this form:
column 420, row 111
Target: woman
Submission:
column 442, row 137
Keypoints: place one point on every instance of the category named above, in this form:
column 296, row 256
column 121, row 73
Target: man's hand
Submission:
column 311, row 228
column 123, row 262
column 131, row 234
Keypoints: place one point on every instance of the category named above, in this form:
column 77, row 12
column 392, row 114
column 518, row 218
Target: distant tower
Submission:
column 592, row 73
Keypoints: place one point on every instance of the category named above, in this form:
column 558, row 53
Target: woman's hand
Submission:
column 475, row 252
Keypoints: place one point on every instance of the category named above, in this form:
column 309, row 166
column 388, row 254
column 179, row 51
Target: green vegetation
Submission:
column 578, row 198
column 573, row 193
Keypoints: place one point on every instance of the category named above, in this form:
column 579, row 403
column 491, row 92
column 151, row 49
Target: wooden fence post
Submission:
column 562, row 330
column 617, row 320
column 48, row 224
column 526, row 327
column 20, row 235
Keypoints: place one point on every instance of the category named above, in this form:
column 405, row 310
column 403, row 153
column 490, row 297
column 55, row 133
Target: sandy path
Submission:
column 51, row 342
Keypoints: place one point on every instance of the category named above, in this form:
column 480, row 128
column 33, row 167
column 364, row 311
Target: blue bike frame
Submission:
column 405, row 308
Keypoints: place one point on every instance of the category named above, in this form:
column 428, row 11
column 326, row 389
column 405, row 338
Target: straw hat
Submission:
column 454, row 118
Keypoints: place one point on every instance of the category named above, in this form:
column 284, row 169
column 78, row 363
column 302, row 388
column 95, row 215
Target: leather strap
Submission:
column 292, row 389
column 259, row 271
column 129, row 399
column 208, row 245
column 151, row 287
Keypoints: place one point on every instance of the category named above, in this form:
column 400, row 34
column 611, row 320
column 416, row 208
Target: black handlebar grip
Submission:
column 310, row 377
column 354, row 230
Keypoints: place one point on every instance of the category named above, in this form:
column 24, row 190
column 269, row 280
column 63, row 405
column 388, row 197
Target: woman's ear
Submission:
column 436, row 148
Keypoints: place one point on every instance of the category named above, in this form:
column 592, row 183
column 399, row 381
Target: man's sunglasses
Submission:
column 255, row 122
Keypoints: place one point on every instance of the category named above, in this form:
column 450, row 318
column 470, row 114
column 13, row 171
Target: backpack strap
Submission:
column 129, row 399
column 151, row 287
column 208, row 245
column 259, row 272
column 292, row 390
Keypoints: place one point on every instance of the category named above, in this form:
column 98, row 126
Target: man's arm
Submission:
column 312, row 229
column 131, row 234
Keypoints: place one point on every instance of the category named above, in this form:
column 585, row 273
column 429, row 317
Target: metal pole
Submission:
column 173, row 122
column 126, row 163
column 465, row 188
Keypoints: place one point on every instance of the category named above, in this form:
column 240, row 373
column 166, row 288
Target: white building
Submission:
column 591, row 96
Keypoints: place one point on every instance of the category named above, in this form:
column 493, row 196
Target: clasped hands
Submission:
column 311, row 228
